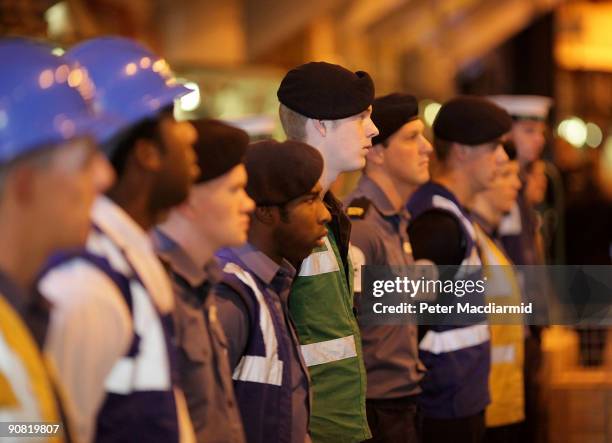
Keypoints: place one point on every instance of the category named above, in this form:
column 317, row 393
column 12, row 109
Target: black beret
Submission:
column 391, row 112
column 279, row 172
column 471, row 120
column 325, row 91
column 219, row 148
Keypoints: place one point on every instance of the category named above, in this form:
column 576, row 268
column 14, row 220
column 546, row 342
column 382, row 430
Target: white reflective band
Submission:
column 442, row 202
column 503, row 354
column 13, row 370
column 149, row 370
column 320, row 262
column 266, row 369
column 259, row 369
column 329, row 351
column 119, row 381
column 473, row 259
column 454, row 339
column 103, row 246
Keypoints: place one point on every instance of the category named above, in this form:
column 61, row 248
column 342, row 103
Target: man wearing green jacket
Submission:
column 329, row 107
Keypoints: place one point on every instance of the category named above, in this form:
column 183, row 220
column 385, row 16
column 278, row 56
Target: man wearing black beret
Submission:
column 467, row 135
column 270, row 376
column 215, row 215
column 329, row 107
column 396, row 166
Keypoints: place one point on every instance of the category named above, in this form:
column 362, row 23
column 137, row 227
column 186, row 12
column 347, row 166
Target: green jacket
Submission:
column 321, row 305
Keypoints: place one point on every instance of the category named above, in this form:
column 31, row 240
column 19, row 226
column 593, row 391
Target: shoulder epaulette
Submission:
column 358, row 207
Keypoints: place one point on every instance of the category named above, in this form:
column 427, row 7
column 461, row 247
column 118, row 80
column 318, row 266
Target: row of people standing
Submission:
column 262, row 343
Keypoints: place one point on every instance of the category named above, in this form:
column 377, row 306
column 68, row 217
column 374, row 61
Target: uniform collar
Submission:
column 261, row 265
column 118, row 225
column 368, row 187
column 180, row 262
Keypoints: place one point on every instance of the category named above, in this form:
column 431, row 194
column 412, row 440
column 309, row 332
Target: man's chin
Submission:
column 300, row 256
column 424, row 179
column 237, row 240
column 359, row 164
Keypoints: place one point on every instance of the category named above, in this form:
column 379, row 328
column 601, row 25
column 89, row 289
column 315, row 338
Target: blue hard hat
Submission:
column 131, row 82
column 42, row 100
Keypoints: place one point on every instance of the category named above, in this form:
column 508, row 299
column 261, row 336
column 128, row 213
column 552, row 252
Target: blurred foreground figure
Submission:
column 50, row 173
column 215, row 215
column 110, row 332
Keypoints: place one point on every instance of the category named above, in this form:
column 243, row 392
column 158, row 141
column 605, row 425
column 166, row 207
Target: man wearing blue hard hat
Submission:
column 110, row 334
column 50, row 173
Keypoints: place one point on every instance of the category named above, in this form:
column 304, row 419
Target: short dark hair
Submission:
column 294, row 123
column 442, row 148
column 121, row 147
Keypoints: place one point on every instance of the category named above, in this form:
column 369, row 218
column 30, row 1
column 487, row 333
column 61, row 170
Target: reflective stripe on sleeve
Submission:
column 454, row 339
column 329, row 351
column 266, row 369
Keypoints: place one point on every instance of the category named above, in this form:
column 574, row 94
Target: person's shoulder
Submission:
column 436, row 219
column 366, row 221
column 235, row 281
column 78, row 282
column 359, row 208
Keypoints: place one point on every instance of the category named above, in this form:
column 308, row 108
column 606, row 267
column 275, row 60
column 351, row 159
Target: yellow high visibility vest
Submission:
column 26, row 393
column 507, row 341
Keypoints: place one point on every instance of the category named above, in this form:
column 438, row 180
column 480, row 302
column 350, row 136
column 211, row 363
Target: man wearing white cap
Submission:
column 529, row 114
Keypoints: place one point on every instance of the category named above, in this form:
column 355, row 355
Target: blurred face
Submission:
column 481, row 163
column 406, row 157
column 504, row 189
column 535, row 187
column 65, row 189
column 178, row 169
column 303, row 227
column 347, row 141
column 529, row 136
column 220, row 208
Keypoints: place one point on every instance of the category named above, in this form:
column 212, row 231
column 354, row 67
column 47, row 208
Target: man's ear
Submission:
column 376, row 154
column 147, row 154
column 459, row 151
column 21, row 182
column 321, row 126
column 267, row 215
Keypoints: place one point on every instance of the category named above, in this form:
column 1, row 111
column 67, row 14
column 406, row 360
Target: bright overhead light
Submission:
column 574, row 130
column 607, row 152
column 594, row 135
column 430, row 112
column 190, row 101
column 58, row 19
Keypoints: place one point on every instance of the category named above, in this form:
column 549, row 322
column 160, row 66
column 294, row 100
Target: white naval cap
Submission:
column 524, row 106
